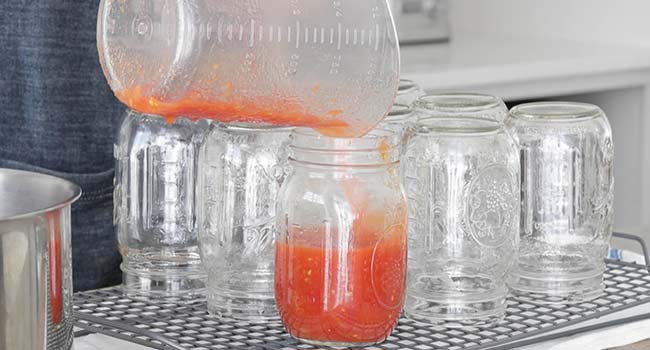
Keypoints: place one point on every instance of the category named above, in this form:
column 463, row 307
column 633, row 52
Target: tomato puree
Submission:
column 268, row 110
column 352, row 293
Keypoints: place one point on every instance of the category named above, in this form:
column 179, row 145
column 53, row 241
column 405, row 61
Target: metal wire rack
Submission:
column 182, row 324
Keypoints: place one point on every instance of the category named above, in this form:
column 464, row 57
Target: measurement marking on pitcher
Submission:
column 331, row 36
column 251, row 40
column 260, row 32
column 315, row 36
column 355, row 37
column 338, row 46
column 289, row 32
column 279, row 34
column 306, row 35
column 369, row 37
column 297, row 34
column 347, row 36
column 219, row 30
column 241, row 32
column 363, row 36
column 230, row 32
column 322, row 35
column 270, row 33
column 208, row 31
column 377, row 37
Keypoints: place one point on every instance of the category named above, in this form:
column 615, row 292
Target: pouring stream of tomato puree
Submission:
column 195, row 105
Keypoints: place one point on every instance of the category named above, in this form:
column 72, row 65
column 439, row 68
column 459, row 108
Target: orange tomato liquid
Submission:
column 195, row 105
column 342, row 296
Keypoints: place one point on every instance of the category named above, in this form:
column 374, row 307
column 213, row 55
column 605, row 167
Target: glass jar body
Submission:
column 341, row 253
column 155, row 206
column 241, row 171
column 463, row 192
column 567, row 202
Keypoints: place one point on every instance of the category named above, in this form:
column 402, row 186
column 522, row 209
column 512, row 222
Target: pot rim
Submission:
column 65, row 192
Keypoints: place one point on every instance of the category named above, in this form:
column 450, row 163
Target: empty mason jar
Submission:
column 462, row 185
column 567, row 197
column 408, row 92
column 462, row 105
column 241, row 170
column 399, row 119
column 155, row 206
column 341, row 254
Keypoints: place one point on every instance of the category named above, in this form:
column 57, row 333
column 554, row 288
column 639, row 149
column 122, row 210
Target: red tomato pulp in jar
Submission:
column 342, row 295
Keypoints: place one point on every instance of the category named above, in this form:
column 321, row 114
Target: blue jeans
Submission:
column 59, row 117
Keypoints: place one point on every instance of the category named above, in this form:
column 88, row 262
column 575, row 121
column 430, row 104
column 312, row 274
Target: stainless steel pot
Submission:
column 35, row 261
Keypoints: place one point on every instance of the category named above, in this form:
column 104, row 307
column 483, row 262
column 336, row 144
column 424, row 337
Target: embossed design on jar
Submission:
column 491, row 206
column 388, row 267
column 258, row 240
column 602, row 202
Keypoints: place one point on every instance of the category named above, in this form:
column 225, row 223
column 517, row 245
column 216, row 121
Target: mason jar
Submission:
column 341, row 252
column 463, row 193
column 155, row 214
column 462, row 105
column 242, row 167
column 408, row 92
column 400, row 120
column 567, row 196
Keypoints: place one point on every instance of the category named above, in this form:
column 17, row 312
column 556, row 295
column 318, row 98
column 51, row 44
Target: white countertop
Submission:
column 519, row 68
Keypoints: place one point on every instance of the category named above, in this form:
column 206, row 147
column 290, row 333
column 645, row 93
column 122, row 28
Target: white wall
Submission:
column 622, row 22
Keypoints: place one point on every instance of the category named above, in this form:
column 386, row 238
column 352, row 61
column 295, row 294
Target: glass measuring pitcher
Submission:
column 329, row 65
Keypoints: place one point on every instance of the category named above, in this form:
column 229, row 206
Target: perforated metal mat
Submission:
column 176, row 324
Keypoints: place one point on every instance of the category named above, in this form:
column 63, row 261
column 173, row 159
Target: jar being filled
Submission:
column 341, row 252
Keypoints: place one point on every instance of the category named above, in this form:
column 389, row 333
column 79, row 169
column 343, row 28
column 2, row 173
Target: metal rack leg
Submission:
column 541, row 339
column 639, row 240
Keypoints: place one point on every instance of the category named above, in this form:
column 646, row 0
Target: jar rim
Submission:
column 457, row 102
column 308, row 139
column 377, row 147
column 249, row 127
column 398, row 113
column 559, row 111
column 406, row 85
column 458, row 126
column 400, row 109
column 52, row 193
